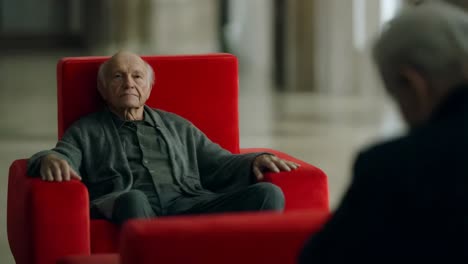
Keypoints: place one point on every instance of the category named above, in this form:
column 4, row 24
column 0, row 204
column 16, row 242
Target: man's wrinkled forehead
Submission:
column 126, row 61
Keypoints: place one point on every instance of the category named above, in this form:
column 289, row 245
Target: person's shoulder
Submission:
column 170, row 117
column 386, row 148
column 166, row 114
column 417, row 143
column 90, row 121
column 417, row 151
column 385, row 161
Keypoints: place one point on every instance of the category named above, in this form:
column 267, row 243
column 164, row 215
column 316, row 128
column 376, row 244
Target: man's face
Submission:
column 127, row 82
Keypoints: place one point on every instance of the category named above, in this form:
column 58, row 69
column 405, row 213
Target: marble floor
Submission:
column 324, row 130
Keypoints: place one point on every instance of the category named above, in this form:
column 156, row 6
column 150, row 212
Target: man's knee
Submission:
column 131, row 204
column 131, row 198
column 270, row 196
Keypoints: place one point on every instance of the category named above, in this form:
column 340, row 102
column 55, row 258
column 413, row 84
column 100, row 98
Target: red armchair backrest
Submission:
column 201, row 88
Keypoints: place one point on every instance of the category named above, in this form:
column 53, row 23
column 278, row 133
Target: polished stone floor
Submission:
column 325, row 130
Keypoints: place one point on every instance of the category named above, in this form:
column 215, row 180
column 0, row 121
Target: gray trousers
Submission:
column 257, row 197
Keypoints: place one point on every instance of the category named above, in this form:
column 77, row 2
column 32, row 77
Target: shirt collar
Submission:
column 120, row 122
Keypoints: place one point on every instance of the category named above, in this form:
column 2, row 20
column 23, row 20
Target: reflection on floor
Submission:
column 324, row 130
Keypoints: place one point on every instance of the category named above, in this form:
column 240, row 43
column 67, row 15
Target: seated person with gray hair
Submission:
column 139, row 162
column 408, row 199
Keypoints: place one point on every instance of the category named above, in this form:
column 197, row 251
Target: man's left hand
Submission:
column 268, row 162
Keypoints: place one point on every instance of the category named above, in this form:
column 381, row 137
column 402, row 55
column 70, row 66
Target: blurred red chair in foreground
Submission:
column 248, row 238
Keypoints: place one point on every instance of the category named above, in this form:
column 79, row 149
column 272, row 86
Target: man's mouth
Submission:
column 129, row 95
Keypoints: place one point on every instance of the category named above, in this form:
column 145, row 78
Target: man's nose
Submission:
column 129, row 83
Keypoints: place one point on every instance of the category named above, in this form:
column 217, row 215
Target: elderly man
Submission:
column 139, row 162
column 408, row 200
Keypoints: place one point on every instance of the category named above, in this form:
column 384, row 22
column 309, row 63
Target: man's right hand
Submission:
column 54, row 168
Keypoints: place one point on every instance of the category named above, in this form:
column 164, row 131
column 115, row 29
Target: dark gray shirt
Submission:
column 148, row 158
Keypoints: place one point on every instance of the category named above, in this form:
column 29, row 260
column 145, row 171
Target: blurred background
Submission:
column 307, row 83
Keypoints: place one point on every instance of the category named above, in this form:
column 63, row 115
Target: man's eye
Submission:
column 138, row 76
column 117, row 76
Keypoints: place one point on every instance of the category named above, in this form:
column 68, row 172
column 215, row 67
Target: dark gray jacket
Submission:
column 93, row 148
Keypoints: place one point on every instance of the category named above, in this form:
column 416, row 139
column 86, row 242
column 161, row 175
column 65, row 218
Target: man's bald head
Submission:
column 118, row 58
column 125, row 82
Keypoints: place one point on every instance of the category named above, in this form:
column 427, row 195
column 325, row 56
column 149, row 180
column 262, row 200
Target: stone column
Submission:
column 152, row 26
column 181, row 26
column 249, row 35
column 344, row 32
column 299, row 45
column 367, row 80
column 334, row 49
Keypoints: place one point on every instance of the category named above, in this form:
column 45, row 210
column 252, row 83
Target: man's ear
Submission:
column 150, row 84
column 101, row 79
column 417, row 85
column 151, row 80
column 416, row 97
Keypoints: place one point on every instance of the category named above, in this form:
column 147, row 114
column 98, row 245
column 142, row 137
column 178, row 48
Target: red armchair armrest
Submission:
column 229, row 238
column 46, row 220
column 304, row 188
column 92, row 259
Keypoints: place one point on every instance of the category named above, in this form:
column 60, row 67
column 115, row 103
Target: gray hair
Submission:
column 103, row 70
column 459, row 3
column 431, row 38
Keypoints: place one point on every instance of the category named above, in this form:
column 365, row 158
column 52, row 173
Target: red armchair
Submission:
column 48, row 220
column 230, row 238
